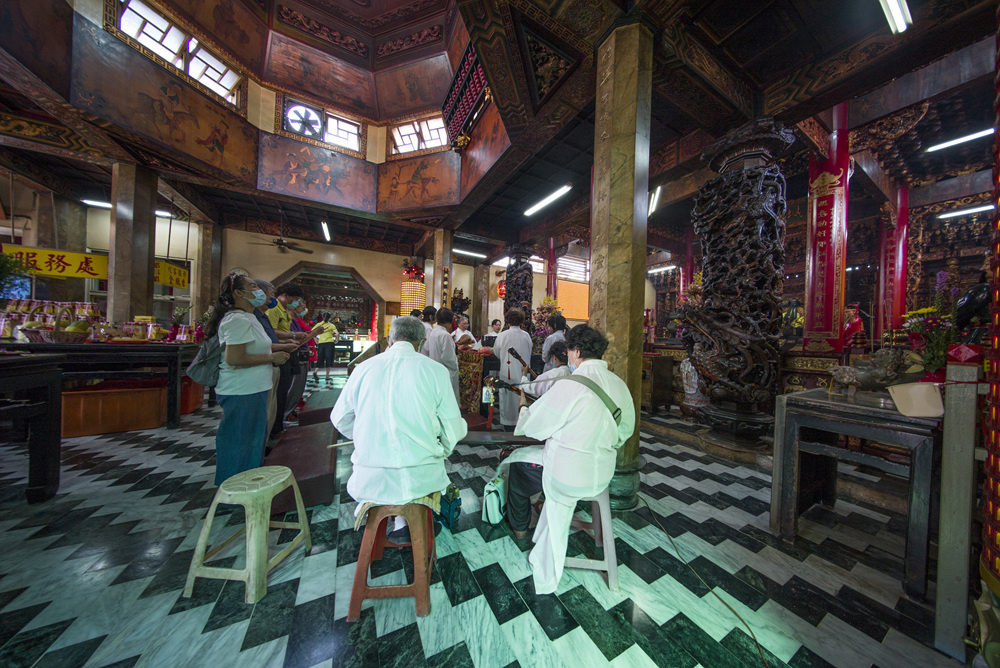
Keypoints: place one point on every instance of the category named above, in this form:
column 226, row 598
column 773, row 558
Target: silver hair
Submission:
column 263, row 285
column 407, row 328
column 462, row 319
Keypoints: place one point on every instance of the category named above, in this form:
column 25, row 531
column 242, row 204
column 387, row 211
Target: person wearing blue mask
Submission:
column 289, row 297
column 288, row 346
column 244, row 377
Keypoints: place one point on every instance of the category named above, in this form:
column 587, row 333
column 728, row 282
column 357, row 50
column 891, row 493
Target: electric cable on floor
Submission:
column 652, row 514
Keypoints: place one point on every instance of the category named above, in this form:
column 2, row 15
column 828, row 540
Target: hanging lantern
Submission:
column 413, row 292
column 502, row 289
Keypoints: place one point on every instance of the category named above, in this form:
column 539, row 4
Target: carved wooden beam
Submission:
column 25, row 81
column 816, row 136
column 957, row 69
column 684, row 48
column 656, row 238
column 189, row 199
column 873, row 171
column 39, row 179
column 685, row 187
column 679, row 155
column 952, row 189
column 50, row 138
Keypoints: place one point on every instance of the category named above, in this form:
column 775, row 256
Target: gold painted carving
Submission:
column 811, row 363
column 826, row 184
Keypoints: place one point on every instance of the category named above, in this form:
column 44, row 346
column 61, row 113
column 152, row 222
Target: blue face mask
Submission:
column 572, row 367
column 272, row 302
column 258, row 298
column 293, row 304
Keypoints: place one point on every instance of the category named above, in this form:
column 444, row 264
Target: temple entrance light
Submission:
column 897, row 14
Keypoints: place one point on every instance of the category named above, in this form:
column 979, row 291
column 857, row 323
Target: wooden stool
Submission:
column 420, row 520
column 600, row 525
column 254, row 490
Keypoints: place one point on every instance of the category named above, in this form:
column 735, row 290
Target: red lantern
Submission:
column 502, row 289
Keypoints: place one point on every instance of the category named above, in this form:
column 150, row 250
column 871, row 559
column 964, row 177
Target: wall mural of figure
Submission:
column 293, row 168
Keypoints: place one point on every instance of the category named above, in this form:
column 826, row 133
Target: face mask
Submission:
column 272, row 302
column 293, row 304
column 258, row 298
column 572, row 368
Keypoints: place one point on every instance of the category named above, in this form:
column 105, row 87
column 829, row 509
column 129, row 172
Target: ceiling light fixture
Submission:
column 469, row 253
column 99, row 205
column 159, row 212
column 966, row 212
column 659, row 270
column 654, row 200
column 897, row 14
column 961, row 140
column 551, row 198
column 326, row 230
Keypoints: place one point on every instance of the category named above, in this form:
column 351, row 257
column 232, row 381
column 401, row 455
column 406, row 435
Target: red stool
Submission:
column 420, row 520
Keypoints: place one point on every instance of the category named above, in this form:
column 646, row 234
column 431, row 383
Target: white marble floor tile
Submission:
column 633, row 657
column 529, row 643
column 318, row 577
column 440, row 629
column 486, row 642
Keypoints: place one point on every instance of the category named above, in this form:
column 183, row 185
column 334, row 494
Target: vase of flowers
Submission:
column 540, row 318
column 176, row 318
column 930, row 334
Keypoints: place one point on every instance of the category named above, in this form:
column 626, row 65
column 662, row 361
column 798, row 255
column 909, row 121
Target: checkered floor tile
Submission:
column 94, row 576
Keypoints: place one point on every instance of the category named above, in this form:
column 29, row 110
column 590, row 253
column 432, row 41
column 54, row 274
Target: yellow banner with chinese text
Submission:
column 63, row 264
column 165, row 273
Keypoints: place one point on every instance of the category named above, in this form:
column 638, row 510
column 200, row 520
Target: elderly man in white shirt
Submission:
column 557, row 323
column 581, row 438
column 440, row 347
column 511, row 371
column 462, row 331
column 400, row 410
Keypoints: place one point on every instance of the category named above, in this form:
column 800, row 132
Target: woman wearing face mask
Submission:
column 299, row 324
column 244, row 377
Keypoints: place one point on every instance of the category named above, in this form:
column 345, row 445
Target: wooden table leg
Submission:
column 918, row 519
column 790, row 479
column 45, row 443
column 174, row 392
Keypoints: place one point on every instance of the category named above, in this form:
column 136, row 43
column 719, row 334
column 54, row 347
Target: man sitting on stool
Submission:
column 400, row 409
column 581, row 439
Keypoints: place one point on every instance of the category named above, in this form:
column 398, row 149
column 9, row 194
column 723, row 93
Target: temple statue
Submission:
column 519, row 279
column 732, row 338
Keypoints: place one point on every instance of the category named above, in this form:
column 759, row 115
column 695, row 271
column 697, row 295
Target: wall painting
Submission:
column 294, row 65
column 230, row 23
column 39, row 36
column 459, row 40
column 120, row 85
column 426, row 180
column 488, row 142
column 292, row 168
column 412, row 88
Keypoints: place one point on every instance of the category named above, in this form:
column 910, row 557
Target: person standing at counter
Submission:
column 327, row 340
column 288, row 296
column 511, row 370
column 244, row 377
column 440, row 347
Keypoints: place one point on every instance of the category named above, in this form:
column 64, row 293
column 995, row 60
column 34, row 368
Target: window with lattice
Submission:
column 419, row 135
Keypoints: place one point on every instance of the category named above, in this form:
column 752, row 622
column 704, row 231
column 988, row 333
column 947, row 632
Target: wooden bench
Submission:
column 318, row 407
column 305, row 450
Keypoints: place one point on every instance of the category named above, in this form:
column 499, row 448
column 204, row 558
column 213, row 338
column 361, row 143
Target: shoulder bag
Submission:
column 204, row 368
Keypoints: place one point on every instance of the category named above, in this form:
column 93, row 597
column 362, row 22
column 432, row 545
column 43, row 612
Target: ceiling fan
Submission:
column 283, row 244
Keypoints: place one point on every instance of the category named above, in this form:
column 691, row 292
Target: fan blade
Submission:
column 259, row 243
column 283, row 248
column 300, row 250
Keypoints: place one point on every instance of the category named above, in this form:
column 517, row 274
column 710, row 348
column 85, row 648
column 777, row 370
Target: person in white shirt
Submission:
column 429, row 312
column 544, row 382
column 244, row 377
column 581, row 439
column 440, row 347
column 557, row 323
column 511, row 370
column 462, row 330
column 400, row 410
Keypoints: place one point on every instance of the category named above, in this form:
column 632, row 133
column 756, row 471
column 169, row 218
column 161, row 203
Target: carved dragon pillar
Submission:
column 732, row 338
column 519, row 279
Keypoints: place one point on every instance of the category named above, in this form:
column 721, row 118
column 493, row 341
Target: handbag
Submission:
column 494, row 500
column 204, row 368
column 451, row 507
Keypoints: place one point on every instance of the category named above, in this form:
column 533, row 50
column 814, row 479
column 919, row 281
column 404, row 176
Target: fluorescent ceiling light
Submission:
column 551, row 198
column 469, row 253
column 961, row 140
column 99, row 205
column 966, row 212
column 161, row 214
column 326, row 230
column 897, row 14
column 654, row 200
column 659, row 270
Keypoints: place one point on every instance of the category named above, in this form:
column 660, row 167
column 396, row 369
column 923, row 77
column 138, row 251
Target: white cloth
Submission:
column 440, row 347
column 578, row 458
column 427, row 328
column 510, row 368
column 400, row 410
column 238, row 327
column 543, row 383
column 547, row 346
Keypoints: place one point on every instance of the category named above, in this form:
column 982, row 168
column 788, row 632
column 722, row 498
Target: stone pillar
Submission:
column 207, row 269
column 826, row 242
column 443, row 240
column 69, row 228
column 133, row 234
column 619, row 208
column 41, row 233
column 479, row 316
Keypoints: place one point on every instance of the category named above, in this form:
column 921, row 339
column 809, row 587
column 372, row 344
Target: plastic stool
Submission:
column 603, row 533
column 420, row 520
column 254, row 490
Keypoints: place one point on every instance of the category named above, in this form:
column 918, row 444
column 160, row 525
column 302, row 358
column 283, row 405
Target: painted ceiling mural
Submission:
column 296, row 67
column 426, row 180
column 413, row 88
column 230, row 24
column 120, row 85
column 290, row 167
column 39, row 35
column 488, row 142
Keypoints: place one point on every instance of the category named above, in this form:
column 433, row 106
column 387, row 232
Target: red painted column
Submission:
column 826, row 241
column 551, row 278
column 893, row 246
column 902, row 251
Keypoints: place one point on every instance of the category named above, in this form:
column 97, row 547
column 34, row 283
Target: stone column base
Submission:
column 625, row 485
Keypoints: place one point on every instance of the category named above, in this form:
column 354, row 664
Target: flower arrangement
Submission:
column 177, row 316
column 930, row 333
column 548, row 308
column 693, row 293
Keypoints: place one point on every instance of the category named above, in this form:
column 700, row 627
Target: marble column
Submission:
column 69, row 227
column 132, row 242
column 207, row 268
column 619, row 207
column 479, row 316
column 443, row 240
